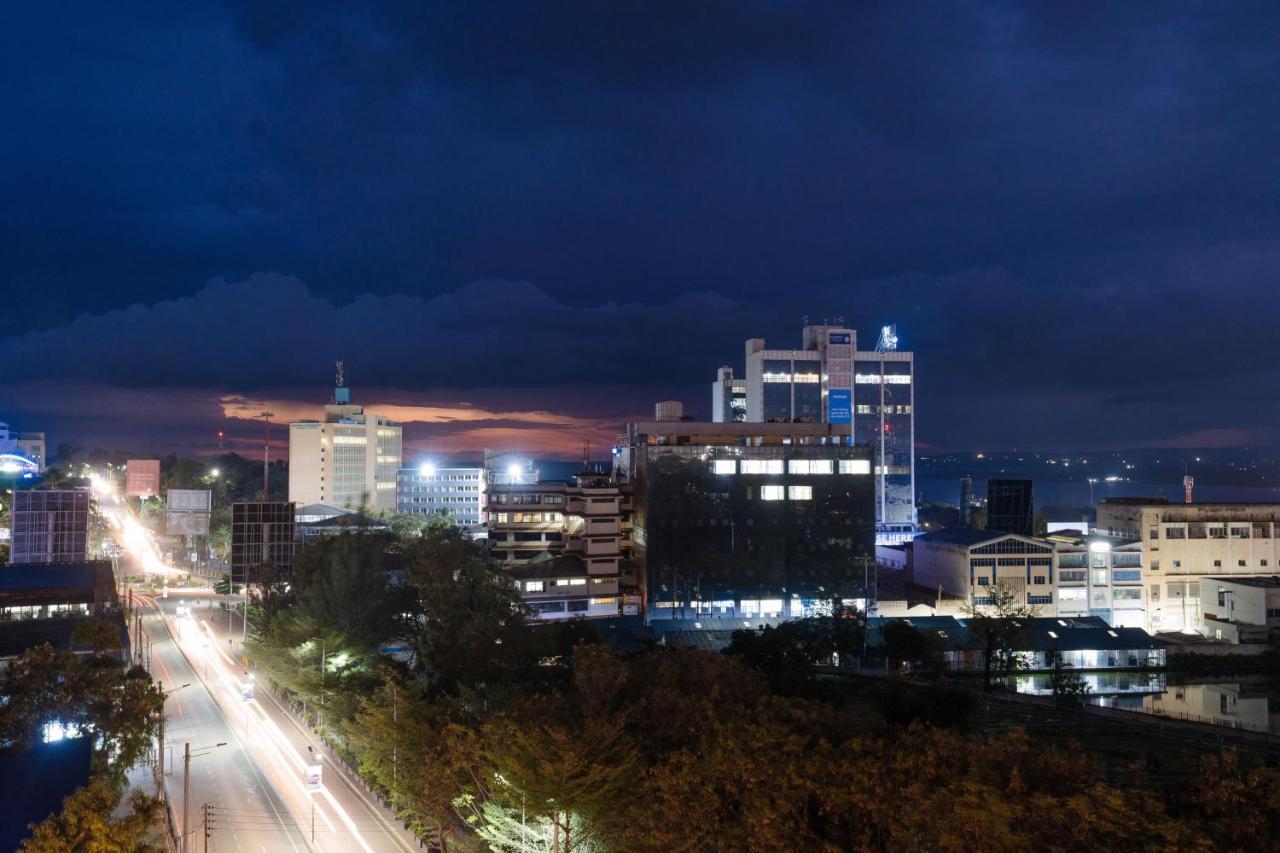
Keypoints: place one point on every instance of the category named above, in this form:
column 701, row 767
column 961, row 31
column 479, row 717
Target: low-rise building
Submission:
column 562, row 588
column 1241, row 610
column 43, row 603
column 1185, row 544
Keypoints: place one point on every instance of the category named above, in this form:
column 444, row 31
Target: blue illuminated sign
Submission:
column 838, row 338
column 839, row 406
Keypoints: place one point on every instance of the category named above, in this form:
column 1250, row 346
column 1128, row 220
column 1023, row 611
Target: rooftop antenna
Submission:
column 888, row 341
column 341, row 394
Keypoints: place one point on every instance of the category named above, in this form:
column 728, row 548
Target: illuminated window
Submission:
column 771, row 493
column 533, row 586
column 799, row 493
column 724, row 466
column 761, row 466
column 855, row 466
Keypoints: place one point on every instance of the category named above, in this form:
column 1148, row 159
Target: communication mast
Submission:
column 1188, row 483
column 888, row 341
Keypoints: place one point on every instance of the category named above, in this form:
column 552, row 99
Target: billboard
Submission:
column 838, row 338
column 186, row 523
column 839, row 406
column 142, row 478
column 188, row 500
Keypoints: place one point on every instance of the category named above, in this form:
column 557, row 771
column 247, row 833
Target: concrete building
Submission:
column 450, row 492
column 350, row 459
column 1183, row 545
column 1067, row 575
column 563, row 588
column 505, row 468
column 22, row 452
column 828, row 380
column 49, row 526
column 754, row 520
column 728, row 397
column 583, row 524
column 43, row 604
column 1241, row 610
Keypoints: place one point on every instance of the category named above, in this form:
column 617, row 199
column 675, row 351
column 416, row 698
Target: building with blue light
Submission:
column 829, row 380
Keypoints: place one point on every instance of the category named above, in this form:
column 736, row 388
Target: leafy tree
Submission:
column 1068, row 686
column 342, row 583
column 787, row 653
column 905, row 644
column 86, row 823
column 999, row 627
column 1240, row 809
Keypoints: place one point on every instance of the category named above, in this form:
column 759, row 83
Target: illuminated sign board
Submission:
column 313, row 776
column 142, row 478
column 839, row 338
column 839, row 406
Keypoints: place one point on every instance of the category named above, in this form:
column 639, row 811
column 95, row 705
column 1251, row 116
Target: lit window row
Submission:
column 795, row 493
column 794, row 466
column 889, row 379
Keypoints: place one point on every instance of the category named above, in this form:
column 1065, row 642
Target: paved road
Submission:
column 257, row 781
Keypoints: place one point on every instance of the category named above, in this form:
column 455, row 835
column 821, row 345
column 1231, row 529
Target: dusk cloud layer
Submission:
column 498, row 209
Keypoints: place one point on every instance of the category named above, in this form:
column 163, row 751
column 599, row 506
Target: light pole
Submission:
column 266, row 449
column 186, row 785
column 160, row 751
column 318, row 759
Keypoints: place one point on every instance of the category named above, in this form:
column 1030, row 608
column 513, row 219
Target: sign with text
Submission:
column 839, row 406
column 313, row 776
column 142, row 478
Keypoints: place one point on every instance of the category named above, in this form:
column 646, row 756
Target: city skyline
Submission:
column 1061, row 211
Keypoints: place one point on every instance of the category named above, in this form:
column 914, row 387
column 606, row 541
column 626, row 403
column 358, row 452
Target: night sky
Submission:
column 520, row 228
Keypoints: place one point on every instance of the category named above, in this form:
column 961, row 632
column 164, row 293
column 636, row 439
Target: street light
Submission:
column 186, row 783
column 215, row 473
column 160, row 752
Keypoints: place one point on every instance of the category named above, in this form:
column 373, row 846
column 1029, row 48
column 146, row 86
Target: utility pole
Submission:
column 266, row 449
column 186, row 790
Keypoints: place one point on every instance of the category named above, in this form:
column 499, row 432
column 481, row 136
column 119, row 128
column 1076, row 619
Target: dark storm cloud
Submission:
column 1065, row 205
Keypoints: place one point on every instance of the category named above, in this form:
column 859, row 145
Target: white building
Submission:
column 829, row 380
column 1183, row 545
column 348, row 460
column 456, row 493
column 1241, row 610
column 22, row 452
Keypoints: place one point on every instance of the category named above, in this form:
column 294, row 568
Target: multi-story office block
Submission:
column 582, row 526
column 1010, row 508
column 350, row 459
column 748, row 519
column 1183, row 545
column 828, row 380
column 50, row 526
column 261, row 532
column 456, row 493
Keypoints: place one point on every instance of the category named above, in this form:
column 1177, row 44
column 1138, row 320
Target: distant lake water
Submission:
column 947, row 490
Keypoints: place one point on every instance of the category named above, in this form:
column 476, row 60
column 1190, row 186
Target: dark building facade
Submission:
column 261, row 532
column 1010, row 508
column 50, row 526
column 749, row 520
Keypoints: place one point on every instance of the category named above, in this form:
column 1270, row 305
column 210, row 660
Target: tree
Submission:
column 907, row 645
column 998, row 625
column 86, row 823
column 1068, row 686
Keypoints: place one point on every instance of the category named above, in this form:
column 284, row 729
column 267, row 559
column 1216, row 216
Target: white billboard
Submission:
column 189, row 500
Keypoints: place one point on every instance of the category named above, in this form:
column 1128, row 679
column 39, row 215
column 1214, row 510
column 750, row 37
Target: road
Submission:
column 257, row 783
column 251, row 761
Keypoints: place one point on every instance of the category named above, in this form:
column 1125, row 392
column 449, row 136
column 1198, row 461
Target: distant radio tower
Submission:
column 1188, row 483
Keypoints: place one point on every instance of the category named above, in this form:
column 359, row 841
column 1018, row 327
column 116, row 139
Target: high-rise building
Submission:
column 566, row 543
column 50, row 526
column 261, row 532
column 829, row 380
column 748, row 520
column 451, row 492
column 1010, row 508
column 350, row 459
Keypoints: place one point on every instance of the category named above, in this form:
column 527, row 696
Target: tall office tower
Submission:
column 728, row 397
column 1009, row 507
column 748, row 520
column 966, row 501
column 829, row 380
column 456, row 493
column 261, row 532
column 348, row 460
column 49, row 526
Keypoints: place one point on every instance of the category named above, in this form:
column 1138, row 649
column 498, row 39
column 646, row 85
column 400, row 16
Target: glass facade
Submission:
column 50, row 526
column 739, row 536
